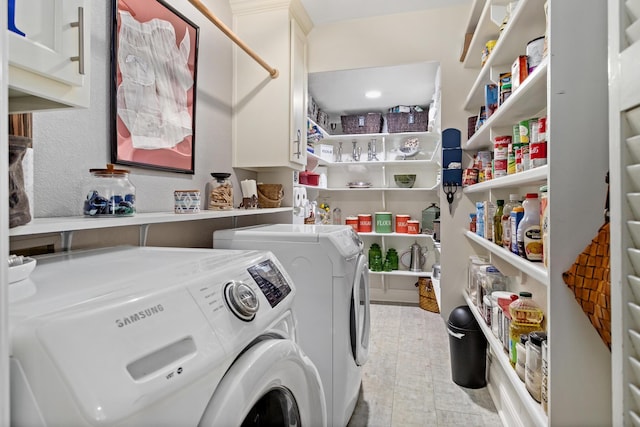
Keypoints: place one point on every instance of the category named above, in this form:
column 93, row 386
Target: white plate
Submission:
column 633, row 144
column 634, row 281
column 21, row 272
column 634, row 202
column 634, row 256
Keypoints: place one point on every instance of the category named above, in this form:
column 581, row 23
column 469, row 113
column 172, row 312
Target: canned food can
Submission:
column 538, row 154
column 499, row 168
column 501, row 147
column 401, row 223
column 516, row 134
column 383, row 222
column 526, row 158
column 352, row 221
column 413, row 226
column 364, row 223
column 469, row 177
column 534, row 51
column 542, row 129
column 534, row 127
column 523, row 129
column 517, row 148
column 511, row 160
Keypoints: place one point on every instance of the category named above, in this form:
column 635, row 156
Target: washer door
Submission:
column 271, row 383
column 360, row 321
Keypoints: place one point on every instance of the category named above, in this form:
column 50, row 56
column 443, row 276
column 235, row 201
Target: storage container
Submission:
column 109, row 193
column 361, row 123
column 407, row 122
column 220, row 192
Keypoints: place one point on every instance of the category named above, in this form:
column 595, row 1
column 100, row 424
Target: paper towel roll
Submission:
column 297, row 197
column 303, row 196
column 249, row 188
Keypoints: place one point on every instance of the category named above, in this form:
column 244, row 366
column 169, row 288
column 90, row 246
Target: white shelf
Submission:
column 534, row 408
column 434, row 188
column 76, row 223
column 525, row 24
column 529, row 177
column 529, row 100
column 485, row 30
column 382, row 163
column 405, row 273
column 535, row 270
column 373, row 233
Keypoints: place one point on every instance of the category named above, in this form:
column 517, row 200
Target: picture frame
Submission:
column 154, row 58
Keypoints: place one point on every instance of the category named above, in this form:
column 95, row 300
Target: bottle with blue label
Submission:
column 516, row 216
column 480, row 219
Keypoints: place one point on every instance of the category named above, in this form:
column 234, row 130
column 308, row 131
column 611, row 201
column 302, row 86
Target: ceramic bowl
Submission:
column 405, row 180
column 22, row 271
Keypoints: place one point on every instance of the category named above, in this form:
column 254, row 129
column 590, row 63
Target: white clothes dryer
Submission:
column 331, row 275
column 135, row 336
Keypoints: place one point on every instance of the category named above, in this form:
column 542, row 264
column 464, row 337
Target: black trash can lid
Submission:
column 461, row 317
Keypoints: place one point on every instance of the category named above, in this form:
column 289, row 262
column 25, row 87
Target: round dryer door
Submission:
column 360, row 312
column 271, row 383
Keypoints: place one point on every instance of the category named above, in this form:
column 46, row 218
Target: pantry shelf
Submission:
column 401, row 273
column 534, row 270
column 529, row 100
column 525, row 24
column 434, row 188
column 373, row 233
column 529, row 177
column 534, row 408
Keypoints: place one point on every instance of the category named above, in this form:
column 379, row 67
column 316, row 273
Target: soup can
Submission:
column 401, row 223
column 413, row 226
column 352, row 221
column 383, row 222
column 364, row 223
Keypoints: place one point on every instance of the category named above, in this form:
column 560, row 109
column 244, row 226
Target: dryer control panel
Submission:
column 271, row 281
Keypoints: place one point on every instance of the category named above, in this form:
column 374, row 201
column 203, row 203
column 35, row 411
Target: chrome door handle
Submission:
column 80, row 24
column 298, row 141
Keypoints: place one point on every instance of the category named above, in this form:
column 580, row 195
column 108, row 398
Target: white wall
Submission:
column 68, row 143
column 433, row 35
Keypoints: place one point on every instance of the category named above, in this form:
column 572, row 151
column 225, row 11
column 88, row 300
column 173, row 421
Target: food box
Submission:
column 490, row 99
column 519, row 72
column 324, row 151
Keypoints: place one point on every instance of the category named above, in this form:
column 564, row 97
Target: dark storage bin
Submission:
column 468, row 348
column 408, row 122
column 361, row 123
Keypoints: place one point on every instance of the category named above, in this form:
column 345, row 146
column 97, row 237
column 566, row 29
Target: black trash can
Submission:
column 468, row 348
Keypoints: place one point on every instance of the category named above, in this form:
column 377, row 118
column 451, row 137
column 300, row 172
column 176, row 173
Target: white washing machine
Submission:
column 137, row 336
column 331, row 275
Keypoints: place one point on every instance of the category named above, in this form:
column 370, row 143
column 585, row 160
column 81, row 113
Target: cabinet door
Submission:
column 298, row 147
column 52, row 37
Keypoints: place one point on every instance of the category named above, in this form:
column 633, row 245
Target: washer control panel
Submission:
column 271, row 281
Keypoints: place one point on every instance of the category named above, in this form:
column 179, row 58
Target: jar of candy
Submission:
column 109, row 193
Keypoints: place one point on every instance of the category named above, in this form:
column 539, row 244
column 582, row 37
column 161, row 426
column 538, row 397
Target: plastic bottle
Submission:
column 516, row 216
column 489, row 213
column 480, row 219
column 526, row 317
column 514, row 200
column 497, row 222
column 528, row 234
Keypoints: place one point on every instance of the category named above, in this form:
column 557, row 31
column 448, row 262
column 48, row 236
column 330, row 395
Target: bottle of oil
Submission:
column 497, row 222
column 526, row 317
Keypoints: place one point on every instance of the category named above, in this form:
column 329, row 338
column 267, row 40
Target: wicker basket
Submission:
column 361, row 123
column 428, row 299
column 407, row 122
column 589, row 278
column 270, row 195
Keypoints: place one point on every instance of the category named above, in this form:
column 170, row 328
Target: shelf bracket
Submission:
column 66, row 237
column 144, row 232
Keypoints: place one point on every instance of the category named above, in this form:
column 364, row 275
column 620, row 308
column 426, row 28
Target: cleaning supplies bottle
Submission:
column 497, row 222
column 528, row 234
column 514, row 200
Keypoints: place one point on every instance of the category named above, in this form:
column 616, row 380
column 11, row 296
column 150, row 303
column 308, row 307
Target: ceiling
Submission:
column 327, row 11
column 343, row 92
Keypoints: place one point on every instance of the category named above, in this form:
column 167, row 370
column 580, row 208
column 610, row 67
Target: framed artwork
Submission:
column 154, row 54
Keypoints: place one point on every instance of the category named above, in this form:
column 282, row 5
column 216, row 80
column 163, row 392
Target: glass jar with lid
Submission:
column 109, row 193
column 220, row 192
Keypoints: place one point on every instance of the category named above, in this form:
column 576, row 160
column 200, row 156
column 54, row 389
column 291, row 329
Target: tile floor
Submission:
column 407, row 380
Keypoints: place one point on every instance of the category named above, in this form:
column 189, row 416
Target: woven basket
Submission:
column 590, row 281
column 270, row 195
column 361, row 123
column 407, row 122
column 428, row 299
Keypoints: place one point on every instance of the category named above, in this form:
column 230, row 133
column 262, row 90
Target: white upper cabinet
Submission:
column 49, row 64
column 269, row 120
